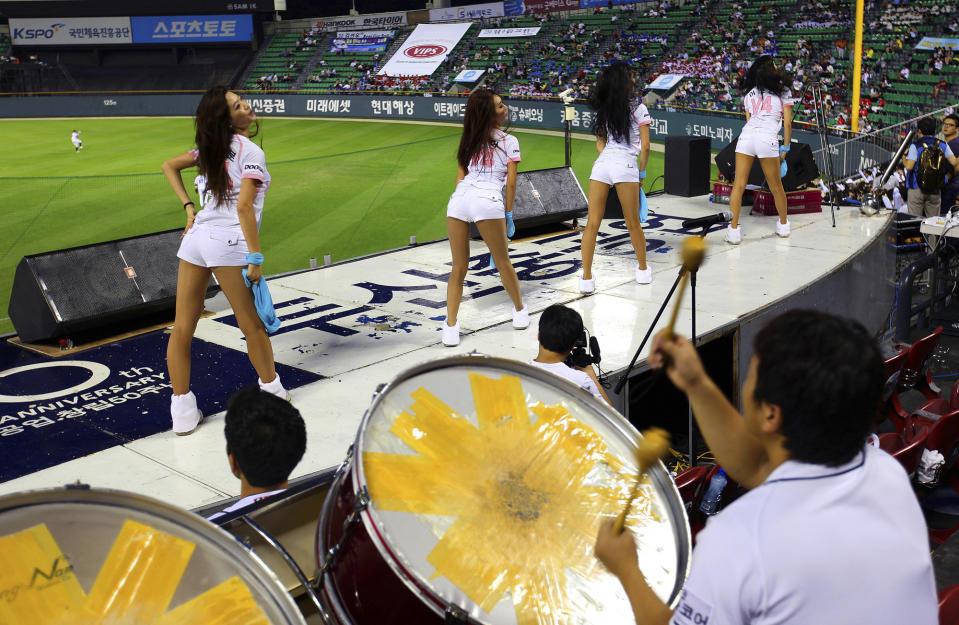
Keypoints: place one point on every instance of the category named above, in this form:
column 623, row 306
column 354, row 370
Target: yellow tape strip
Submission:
column 37, row 584
column 230, row 603
column 140, row 575
column 524, row 510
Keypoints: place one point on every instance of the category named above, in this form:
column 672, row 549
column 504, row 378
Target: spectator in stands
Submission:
column 818, row 494
column 768, row 104
column 221, row 240
column 265, row 440
column 487, row 158
column 621, row 125
column 560, row 328
column 950, row 134
column 925, row 203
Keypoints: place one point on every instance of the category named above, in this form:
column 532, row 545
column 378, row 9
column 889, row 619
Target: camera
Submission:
column 566, row 97
column 580, row 357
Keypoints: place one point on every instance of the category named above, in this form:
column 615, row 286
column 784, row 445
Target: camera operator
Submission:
column 560, row 331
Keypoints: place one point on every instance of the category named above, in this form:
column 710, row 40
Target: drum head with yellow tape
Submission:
column 488, row 481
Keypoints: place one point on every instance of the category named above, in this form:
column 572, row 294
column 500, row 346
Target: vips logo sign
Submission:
column 70, row 31
column 424, row 49
column 424, row 52
column 192, row 28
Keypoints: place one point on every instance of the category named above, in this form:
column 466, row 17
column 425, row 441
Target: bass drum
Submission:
column 80, row 555
column 473, row 494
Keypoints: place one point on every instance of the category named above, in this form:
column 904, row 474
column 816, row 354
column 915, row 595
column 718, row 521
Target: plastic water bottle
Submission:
column 715, row 491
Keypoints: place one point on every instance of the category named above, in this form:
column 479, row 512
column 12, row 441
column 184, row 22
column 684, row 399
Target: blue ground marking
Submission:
column 120, row 392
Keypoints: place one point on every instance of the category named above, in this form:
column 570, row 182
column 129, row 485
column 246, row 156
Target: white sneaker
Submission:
column 275, row 388
column 587, row 286
column 644, row 276
column 782, row 229
column 184, row 413
column 521, row 318
column 451, row 334
column 734, row 235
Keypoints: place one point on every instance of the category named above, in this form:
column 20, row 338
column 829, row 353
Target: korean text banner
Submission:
column 192, row 28
column 352, row 34
column 586, row 4
column 70, row 31
column 471, row 12
column 371, row 20
column 359, row 44
column 543, row 6
column 509, row 32
column 928, row 43
column 425, row 49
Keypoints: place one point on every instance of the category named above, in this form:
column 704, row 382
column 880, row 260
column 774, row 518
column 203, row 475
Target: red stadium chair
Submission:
column 949, row 605
column 691, row 484
column 915, row 374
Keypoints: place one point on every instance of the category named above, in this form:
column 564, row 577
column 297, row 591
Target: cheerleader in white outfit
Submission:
column 487, row 159
column 221, row 239
column 769, row 107
column 622, row 134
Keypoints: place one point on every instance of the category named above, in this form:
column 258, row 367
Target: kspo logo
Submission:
column 37, row 33
column 425, row 52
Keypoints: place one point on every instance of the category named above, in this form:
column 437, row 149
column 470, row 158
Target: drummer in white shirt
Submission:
column 559, row 328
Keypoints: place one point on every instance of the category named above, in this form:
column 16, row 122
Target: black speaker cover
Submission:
column 801, row 166
column 546, row 196
column 687, row 166
column 95, row 286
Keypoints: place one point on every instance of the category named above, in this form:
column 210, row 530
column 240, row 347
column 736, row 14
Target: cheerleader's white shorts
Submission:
column 214, row 246
column 615, row 167
column 761, row 145
column 471, row 203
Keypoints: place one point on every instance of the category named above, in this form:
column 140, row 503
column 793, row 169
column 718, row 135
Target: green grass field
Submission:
column 339, row 187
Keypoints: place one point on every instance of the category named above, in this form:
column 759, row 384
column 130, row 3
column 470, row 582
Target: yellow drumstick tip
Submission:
column 653, row 445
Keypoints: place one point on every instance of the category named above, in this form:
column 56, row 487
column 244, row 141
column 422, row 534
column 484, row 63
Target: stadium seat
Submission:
column 915, row 374
column 949, row 605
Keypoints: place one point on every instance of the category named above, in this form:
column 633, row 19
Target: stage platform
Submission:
column 100, row 416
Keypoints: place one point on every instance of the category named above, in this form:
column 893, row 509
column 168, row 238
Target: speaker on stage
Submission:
column 545, row 196
column 687, row 165
column 801, row 166
column 95, row 286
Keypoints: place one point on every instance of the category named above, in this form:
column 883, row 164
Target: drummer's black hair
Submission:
column 559, row 327
column 826, row 375
column 265, row 435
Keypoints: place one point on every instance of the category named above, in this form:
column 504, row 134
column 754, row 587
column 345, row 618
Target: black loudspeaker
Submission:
column 687, row 165
column 93, row 287
column 801, row 166
column 545, row 196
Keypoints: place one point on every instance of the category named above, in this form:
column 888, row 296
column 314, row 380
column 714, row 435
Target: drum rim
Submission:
column 657, row 474
column 114, row 498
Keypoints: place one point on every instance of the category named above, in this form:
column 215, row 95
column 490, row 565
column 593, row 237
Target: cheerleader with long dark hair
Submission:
column 222, row 240
column 487, row 159
column 769, row 107
column 621, row 126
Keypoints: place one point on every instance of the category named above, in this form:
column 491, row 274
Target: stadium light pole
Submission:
column 856, row 67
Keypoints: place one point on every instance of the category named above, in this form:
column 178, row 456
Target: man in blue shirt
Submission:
column 919, row 202
column 950, row 134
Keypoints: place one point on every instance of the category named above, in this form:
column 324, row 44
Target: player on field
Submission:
column 487, row 159
column 75, row 138
column 622, row 134
column 768, row 103
column 221, row 239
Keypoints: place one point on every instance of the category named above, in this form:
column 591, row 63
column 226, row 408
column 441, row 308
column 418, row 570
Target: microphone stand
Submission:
column 692, row 287
column 820, row 115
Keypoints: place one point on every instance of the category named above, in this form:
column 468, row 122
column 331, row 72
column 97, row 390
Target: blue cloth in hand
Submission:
column 510, row 226
column 492, row 264
column 643, row 207
column 264, row 303
column 782, row 169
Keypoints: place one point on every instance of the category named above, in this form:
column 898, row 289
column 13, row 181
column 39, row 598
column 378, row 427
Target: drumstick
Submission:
column 692, row 253
column 652, row 446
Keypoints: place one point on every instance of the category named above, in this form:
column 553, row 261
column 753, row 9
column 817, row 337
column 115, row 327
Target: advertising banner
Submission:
column 71, row 31
column 469, row 75
column 424, row 50
column 359, row 44
column 192, row 29
column 588, row 4
column 470, row 12
column 930, row 43
column 513, row 7
column 352, row 34
column 666, row 81
column 509, row 32
column 372, row 20
column 546, row 6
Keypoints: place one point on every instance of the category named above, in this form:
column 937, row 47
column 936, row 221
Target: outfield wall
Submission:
column 524, row 113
